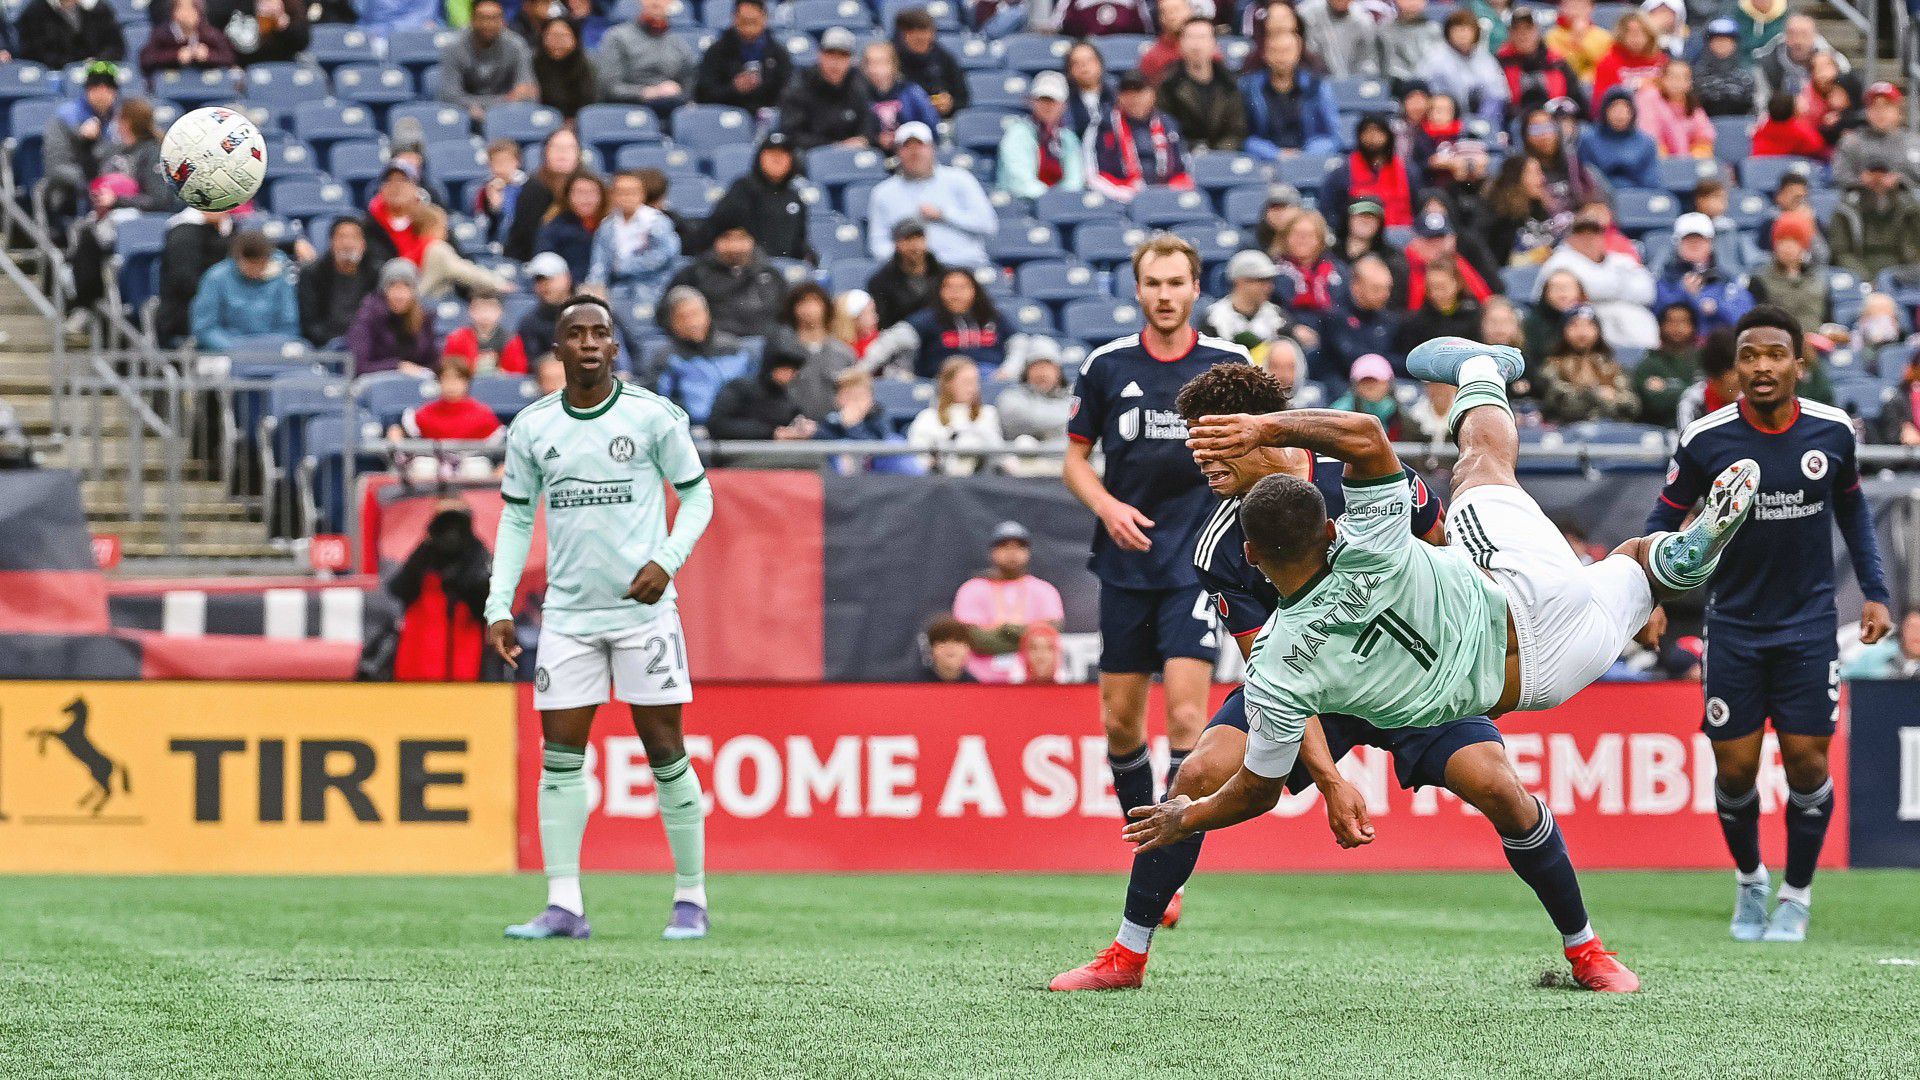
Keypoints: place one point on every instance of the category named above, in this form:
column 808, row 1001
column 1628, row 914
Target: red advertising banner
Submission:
column 915, row 777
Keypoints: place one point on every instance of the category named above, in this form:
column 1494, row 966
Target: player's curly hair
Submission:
column 1225, row 389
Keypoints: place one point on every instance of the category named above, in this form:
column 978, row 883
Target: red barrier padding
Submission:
column 53, row 602
column 911, row 777
column 240, row 658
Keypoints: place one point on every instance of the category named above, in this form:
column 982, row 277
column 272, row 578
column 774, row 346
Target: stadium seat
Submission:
column 849, row 273
column 1028, row 316
column 1221, row 171
column 1097, row 320
column 1024, row 241
column 291, row 157
column 1750, row 210
column 1066, row 209
column 25, row 79
column 137, row 243
column 1608, row 16
column 1362, row 94
column 833, row 167
column 1639, row 211
column 1122, row 52
column 1215, row 240
column 693, row 195
column 1764, row 173
column 377, row 86
column 1161, row 208
column 195, row 87
column 667, row 159
column 1034, row 53
column 834, row 238
column 417, row 50
column 302, row 196
column 1235, row 50
column 291, row 399
column 386, row 395
column 524, row 122
column 28, row 125
column 1005, row 90
column 701, row 128
column 946, row 16
column 335, row 44
column 438, row 122
column 1732, row 138
column 978, row 54
column 854, row 198
column 1678, row 175
column 816, row 17
column 608, row 128
column 1104, row 243
column 1519, row 282
column 506, row 394
column 1245, row 206
column 324, row 482
column 1057, row 281
column 1306, row 172
column 320, row 124
column 731, row 162
column 456, row 162
column 900, row 400
column 285, row 86
column 980, row 130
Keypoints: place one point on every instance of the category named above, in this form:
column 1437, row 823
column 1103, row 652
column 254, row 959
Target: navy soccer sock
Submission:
column 1132, row 779
column 1156, row 876
column 1740, row 823
column 1540, row 859
column 1175, row 759
column 1807, row 815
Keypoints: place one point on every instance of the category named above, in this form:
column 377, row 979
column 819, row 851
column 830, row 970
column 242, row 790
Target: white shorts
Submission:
column 1573, row 621
column 645, row 665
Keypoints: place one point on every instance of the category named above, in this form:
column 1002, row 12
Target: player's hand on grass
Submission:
column 1347, row 814
column 1220, row 438
column 1127, row 526
column 650, row 584
column 1157, row 826
column 1875, row 622
column 500, row 636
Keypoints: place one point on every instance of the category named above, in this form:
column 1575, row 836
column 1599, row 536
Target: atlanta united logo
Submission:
column 1716, row 712
column 541, row 680
column 621, row 448
column 1814, row 464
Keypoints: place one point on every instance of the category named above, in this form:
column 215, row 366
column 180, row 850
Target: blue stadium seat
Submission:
column 900, row 400
column 1733, row 138
column 1306, row 171
column 693, row 195
column 1122, row 52
column 795, row 271
column 1678, row 175
column 611, row 127
column 1608, row 16
column 291, row 399
column 288, row 156
column 946, row 15
column 1104, row 243
column 1163, row 207
column 1215, row 240
column 1096, row 321
column 1033, row 53
column 1362, row 94
column 522, row 121
column 834, row 238
column 28, row 124
column 1028, row 316
column 653, row 156
column 456, row 162
column 731, row 162
column 1024, row 241
column 1222, row 170
column 438, row 122
column 1057, row 281
column 377, row 86
column 285, row 86
column 816, row 17
column 801, row 48
column 854, row 198
column 417, row 50
column 320, row 124
column 137, row 243
column 1638, row 211
column 849, row 273
column 303, row 196
column 1764, row 173
column 1066, row 209
column 24, row 79
column 388, row 394
column 324, row 483
column 1519, row 282
column 334, row 44
column 998, row 90
column 1749, row 209
column 196, row 87
column 978, row 54
column 358, row 166
column 506, row 394
column 1848, row 294
column 701, row 128
column 1245, row 206
column 833, row 167
column 980, row 130
column 1865, row 398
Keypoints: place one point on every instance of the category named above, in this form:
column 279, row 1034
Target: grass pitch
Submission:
column 1417, row 975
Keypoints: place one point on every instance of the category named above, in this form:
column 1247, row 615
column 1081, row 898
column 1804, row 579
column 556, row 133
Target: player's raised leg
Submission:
column 562, row 807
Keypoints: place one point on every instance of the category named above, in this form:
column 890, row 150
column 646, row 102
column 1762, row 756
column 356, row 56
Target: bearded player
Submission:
column 1466, row 756
column 1373, row 624
column 1154, row 618
column 601, row 452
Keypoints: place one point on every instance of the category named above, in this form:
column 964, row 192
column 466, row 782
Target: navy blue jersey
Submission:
column 1124, row 404
column 1241, row 594
column 1775, row 579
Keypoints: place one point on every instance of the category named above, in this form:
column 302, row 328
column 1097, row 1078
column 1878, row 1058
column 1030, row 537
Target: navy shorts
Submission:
column 1420, row 754
column 1142, row 629
column 1796, row 684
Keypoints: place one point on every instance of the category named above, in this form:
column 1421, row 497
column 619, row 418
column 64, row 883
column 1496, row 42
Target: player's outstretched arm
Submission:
column 1355, row 438
column 1245, row 796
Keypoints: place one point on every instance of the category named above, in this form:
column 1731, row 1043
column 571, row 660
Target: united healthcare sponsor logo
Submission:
column 1152, row 424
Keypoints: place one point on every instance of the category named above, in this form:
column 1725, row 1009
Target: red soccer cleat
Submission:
column 1171, row 918
column 1596, row 969
column 1116, row 968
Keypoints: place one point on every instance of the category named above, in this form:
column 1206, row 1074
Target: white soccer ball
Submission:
column 215, row 158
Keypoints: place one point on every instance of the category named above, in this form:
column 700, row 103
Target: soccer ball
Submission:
column 215, row 158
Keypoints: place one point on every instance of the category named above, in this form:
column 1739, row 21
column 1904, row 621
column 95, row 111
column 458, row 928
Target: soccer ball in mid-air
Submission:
column 215, row 158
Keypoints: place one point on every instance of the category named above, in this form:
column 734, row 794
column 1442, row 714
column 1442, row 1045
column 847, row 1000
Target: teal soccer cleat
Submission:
column 1439, row 360
column 1750, row 911
column 1685, row 560
column 1789, row 922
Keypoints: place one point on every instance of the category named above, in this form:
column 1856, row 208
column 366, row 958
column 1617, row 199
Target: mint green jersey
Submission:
column 604, row 473
column 1393, row 631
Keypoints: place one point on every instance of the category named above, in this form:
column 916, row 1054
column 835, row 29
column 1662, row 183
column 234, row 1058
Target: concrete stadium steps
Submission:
column 198, row 500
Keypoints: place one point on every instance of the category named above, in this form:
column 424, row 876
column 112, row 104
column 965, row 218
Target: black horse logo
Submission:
column 98, row 765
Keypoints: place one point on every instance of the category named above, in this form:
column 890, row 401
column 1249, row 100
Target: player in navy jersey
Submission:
column 1465, row 756
column 1154, row 619
column 1772, row 648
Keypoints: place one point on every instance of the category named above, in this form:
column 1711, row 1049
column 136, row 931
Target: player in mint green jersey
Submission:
column 1401, row 634
column 602, row 452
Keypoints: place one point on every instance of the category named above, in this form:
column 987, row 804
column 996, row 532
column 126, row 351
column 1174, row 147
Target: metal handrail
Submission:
column 1869, row 26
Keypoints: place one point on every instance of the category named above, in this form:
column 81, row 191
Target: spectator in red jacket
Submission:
column 486, row 345
column 392, row 211
column 444, row 587
column 1787, row 133
column 1635, row 59
column 1535, row 73
column 453, row 416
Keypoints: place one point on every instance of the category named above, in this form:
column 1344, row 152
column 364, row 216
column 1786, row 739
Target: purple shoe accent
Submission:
column 689, row 921
column 555, row 922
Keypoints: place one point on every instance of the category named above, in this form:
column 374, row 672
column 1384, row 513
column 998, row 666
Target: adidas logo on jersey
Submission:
column 1133, row 390
column 551, row 454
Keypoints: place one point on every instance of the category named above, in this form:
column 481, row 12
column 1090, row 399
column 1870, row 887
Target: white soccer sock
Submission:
column 1482, row 369
column 1578, row 937
column 1758, row 877
column 1803, row 897
column 693, row 894
column 564, row 892
column 1134, row 936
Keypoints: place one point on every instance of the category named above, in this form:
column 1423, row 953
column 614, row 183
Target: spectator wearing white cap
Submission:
column 552, row 285
column 1692, row 277
column 1247, row 315
column 1668, row 20
column 946, row 199
column 1040, row 152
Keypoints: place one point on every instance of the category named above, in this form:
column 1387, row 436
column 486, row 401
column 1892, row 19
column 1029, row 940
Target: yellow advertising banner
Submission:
column 302, row 778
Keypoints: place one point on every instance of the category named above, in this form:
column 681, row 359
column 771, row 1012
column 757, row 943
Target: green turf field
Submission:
column 1349, row 976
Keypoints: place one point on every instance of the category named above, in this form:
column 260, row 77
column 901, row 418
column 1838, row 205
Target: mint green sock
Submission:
column 1473, row 395
column 684, row 819
column 563, row 815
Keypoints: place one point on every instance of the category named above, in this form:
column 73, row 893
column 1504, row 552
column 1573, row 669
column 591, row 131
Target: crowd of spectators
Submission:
column 1480, row 197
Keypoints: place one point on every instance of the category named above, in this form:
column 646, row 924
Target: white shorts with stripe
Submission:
column 644, row 665
column 1573, row 621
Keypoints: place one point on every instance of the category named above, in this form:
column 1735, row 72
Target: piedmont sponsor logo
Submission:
column 1786, row 506
column 575, row 493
